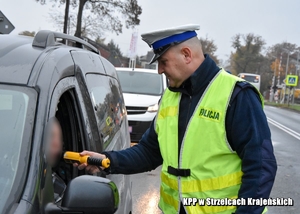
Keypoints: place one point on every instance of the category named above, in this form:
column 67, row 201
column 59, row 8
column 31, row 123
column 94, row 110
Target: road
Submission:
column 285, row 129
column 145, row 192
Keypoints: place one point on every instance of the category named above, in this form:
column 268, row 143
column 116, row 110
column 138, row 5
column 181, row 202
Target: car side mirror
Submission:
column 88, row 194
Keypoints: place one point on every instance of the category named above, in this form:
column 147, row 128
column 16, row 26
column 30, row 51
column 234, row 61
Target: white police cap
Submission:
column 162, row 40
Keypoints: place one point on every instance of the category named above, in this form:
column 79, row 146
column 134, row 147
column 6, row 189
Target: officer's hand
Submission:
column 90, row 168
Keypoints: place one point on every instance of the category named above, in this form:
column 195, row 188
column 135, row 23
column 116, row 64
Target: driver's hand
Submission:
column 90, row 168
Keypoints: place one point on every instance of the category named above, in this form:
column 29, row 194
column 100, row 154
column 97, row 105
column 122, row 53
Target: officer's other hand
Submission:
column 90, row 168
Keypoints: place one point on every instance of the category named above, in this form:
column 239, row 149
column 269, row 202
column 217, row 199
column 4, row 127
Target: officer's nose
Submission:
column 160, row 68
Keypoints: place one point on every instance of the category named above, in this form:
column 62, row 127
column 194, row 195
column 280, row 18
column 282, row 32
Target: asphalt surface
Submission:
column 285, row 129
column 145, row 192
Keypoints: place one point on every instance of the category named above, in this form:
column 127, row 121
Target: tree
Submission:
column 100, row 40
column 91, row 27
column 278, row 54
column 27, row 33
column 114, row 47
column 108, row 12
column 66, row 17
column 209, row 47
column 247, row 57
column 266, row 74
column 67, row 4
column 227, row 65
column 115, row 54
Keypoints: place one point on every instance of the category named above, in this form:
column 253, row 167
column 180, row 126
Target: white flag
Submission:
column 133, row 44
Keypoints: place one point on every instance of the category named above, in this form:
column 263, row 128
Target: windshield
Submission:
column 136, row 82
column 250, row 78
column 14, row 108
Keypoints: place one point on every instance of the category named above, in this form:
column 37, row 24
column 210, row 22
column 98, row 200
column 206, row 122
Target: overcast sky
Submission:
column 274, row 20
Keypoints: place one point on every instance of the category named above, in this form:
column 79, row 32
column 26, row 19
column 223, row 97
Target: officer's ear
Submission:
column 187, row 54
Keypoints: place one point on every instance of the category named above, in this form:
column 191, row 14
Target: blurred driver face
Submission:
column 56, row 143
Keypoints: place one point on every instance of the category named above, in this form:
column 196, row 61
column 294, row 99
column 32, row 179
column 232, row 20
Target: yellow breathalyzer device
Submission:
column 75, row 157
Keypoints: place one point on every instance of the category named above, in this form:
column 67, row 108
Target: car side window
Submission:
column 105, row 95
column 120, row 108
column 72, row 133
column 66, row 133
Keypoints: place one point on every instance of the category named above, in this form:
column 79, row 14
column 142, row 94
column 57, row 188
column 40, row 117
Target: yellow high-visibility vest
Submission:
column 207, row 166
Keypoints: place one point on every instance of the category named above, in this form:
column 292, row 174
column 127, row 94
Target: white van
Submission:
column 254, row 79
column 142, row 89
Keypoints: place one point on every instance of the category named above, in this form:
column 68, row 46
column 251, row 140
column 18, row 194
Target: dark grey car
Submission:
column 41, row 78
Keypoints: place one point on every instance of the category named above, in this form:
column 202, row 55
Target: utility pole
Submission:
column 69, row 25
column 297, row 67
column 286, row 70
column 66, row 18
column 273, row 83
column 278, row 79
column 297, row 63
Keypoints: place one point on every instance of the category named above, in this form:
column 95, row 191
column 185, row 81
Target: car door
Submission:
column 66, row 109
column 108, row 109
column 123, row 137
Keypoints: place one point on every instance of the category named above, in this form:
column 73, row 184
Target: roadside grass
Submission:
column 295, row 107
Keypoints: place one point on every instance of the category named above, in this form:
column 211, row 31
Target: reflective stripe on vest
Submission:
column 215, row 168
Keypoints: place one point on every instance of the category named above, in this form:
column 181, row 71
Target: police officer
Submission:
column 210, row 133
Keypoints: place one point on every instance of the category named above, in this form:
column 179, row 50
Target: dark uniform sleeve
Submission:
column 249, row 135
column 145, row 156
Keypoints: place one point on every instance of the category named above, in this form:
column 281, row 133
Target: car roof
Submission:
column 17, row 57
column 249, row 74
column 20, row 55
column 137, row 70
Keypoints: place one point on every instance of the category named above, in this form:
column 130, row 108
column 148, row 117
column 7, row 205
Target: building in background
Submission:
column 144, row 60
column 111, row 55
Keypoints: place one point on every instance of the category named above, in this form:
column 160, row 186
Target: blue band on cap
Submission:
column 174, row 38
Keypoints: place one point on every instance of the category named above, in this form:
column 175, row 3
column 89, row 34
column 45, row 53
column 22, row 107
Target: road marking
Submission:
column 275, row 142
column 284, row 128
